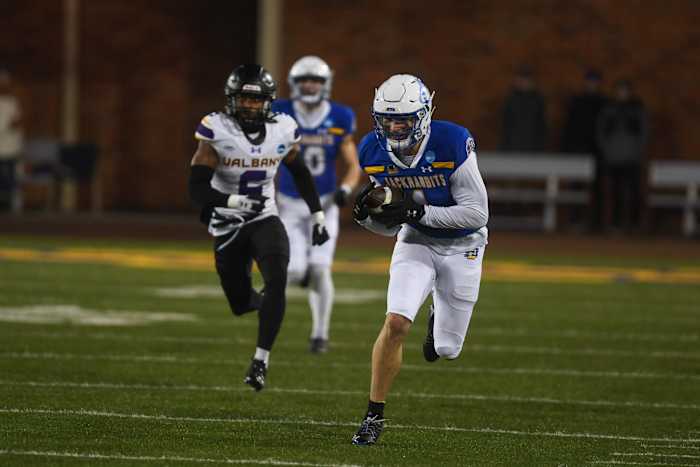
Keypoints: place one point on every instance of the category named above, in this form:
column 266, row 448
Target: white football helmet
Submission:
column 310, row 66
column 403, row 98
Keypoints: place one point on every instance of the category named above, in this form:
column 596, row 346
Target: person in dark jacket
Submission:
column 524, row 125
column 580, row 136
column 622, row 131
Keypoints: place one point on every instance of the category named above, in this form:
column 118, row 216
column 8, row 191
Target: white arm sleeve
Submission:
column 468, row 190
column 378, row 228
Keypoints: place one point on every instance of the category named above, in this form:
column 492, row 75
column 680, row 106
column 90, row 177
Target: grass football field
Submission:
column 126, row 354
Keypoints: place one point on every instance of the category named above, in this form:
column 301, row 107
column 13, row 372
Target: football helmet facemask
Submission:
column 402, row 111
column 313, row 68
column 254, row 82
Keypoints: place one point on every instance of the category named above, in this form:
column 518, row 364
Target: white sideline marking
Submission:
column 663, row 464
column 321, row 392
column 74, row 314
column 669, row 446
column 479, row 331
column 342, row 296
column 95, row 455
column 577, row 334
column 434, row 368
column 653, row 454
column 520, row 349
column 306, row 421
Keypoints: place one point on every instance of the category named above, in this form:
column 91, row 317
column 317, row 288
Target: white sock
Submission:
column 262, row 354
column 321, row 293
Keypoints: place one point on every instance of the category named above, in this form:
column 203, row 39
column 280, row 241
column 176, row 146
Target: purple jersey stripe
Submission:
column 205, row 131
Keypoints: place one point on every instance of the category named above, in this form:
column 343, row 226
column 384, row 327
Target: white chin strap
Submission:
column 310, row 98
column 398, row 146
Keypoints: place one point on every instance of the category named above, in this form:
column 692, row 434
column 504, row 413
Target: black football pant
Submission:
column 266, row 242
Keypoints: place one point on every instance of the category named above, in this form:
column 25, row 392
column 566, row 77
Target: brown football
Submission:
column 383, row 196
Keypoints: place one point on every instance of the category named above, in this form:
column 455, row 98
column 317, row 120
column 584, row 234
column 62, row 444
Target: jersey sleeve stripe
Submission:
column 374, row 169
column 444, row 165
column 336, row 131
column 204, row 132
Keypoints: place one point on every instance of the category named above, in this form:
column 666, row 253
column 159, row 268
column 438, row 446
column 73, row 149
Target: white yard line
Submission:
column 98, row 456
column 476, row 331
column 653, row 454
column 650, row 464
column 306, row 421
column 330, row 392
column 519, row 349
column 406, row 367
column 670, row 446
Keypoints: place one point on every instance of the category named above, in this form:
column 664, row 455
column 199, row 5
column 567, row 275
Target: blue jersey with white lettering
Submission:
column 447, row 148
column 319, row 146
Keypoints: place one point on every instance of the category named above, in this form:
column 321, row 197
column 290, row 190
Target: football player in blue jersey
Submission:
column 326, row 129
column 440, row 222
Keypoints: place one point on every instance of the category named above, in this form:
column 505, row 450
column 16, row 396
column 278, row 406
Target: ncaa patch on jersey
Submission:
column 472, row 254
column 280, row 148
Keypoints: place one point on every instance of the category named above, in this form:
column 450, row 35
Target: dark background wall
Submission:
column 150, row 70
column 467, row 51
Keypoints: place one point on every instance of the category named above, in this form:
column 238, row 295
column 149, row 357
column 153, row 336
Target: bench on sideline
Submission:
column 549, row 168
column 676, row 175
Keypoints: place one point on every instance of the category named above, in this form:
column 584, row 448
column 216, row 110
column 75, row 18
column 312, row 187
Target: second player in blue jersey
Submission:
column 326, row 129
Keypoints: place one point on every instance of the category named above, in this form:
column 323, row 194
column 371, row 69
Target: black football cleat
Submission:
column 369, row 431
column 318, row 345
column 255, row 377
column 429, row 352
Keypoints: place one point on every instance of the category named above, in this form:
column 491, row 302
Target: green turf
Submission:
column 551, row 374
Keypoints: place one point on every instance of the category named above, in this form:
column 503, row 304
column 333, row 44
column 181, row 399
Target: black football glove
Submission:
column 360, row 211
column 406, row 211
column 319, row 233
column 341, row 195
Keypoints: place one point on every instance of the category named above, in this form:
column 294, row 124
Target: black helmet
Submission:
column 251, row 80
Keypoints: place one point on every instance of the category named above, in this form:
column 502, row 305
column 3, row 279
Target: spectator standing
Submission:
column 10, row 139
column 524, row 124
column 622, row 132
column 580, row 135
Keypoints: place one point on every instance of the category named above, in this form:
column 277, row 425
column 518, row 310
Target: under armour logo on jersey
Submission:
column 426, row 169
column 256, row 150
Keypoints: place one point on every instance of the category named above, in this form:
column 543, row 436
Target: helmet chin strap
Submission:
column 310, row 98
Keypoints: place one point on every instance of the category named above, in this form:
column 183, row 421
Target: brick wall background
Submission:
column 150, row 70
column 467, row 51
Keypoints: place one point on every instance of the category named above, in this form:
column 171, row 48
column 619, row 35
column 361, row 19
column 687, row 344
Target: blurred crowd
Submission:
column 612, row 128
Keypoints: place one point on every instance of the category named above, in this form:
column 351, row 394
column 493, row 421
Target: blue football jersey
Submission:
column 319, row 146
column 447, row 148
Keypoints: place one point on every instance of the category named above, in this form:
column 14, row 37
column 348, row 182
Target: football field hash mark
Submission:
column 306, row 421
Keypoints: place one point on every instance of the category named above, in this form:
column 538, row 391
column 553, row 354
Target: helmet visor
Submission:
column 396, row 127
column 250, row 108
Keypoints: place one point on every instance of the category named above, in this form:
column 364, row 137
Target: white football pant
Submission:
column 416, row 270
column 316, row 260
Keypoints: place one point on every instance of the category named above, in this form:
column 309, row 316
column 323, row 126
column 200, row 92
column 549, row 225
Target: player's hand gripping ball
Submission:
column 383, row 196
